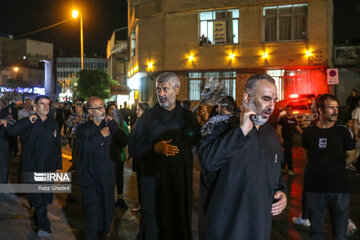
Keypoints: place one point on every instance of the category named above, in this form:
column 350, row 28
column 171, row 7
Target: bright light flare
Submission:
column 294, row 95
column 191, row 58
column 265, row 55
column 75, row 13
column 16, row 69
column 308, row 53
column 232, row 56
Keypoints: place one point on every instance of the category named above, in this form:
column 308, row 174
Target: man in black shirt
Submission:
column 163, row 138
column 241, row 185
column 328, row 148
column 41, row 153
column 96, row 170
column 287, row 126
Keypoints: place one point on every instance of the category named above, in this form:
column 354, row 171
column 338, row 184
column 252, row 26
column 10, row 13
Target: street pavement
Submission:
column 67, row 216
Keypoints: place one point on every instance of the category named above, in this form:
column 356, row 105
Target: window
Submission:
column 219, row 27
column 144, row 89
column 285, row 22
column 132, row 43
column 277, row 75
column 196, row 79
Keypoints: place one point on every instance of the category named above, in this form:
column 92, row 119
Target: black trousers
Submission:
column 305, row 212
column 338, row 204
column 40, row 217
column 138, row 179
column 75, row 153
column 119, row 168
column 13, row 145
column 288, row 154
column 148, row 224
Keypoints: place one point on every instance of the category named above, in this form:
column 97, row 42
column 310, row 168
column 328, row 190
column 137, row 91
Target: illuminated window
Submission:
column 132, row 43
column 277, row 75
column 285, row 22
column 219, row 27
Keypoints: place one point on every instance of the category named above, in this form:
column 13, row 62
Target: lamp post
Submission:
column 75, row 14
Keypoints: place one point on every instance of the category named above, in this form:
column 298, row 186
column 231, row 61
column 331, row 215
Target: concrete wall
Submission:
column 349, row 78
column 169, row 36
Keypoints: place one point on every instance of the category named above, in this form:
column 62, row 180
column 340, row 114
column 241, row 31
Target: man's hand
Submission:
column 105, row 132
column 163, row 147
column 246, row 124
column 280, row 205
column 3, row 122
column 33, row 118
column 204, row 114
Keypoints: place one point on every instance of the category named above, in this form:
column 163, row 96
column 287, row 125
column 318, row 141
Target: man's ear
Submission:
column 246, row 97
column 177, row 90
column 319, row 110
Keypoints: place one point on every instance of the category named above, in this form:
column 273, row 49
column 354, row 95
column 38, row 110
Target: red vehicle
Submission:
column 302, row 109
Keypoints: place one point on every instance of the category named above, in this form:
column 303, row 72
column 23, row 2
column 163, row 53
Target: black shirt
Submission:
column 288, row 127
column 325, row 171
column 242, row 176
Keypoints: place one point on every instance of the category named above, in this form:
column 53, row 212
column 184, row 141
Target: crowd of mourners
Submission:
column 242, row 159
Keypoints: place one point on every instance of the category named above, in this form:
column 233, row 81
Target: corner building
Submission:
column 231, row 40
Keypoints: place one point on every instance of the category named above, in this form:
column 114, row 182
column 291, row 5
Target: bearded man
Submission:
column 243, row 185
column 95, row 169
column 163, row 138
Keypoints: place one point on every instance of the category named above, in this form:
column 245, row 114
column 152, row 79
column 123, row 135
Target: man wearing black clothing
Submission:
column 4, row 148
column 41, row 153
column 163, row 138
column 243, row 187
column 96, row 170
column 328, row 148
column 286, row 127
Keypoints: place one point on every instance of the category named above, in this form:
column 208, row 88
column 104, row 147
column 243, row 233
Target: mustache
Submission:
column 163, row 98
column 267, row 110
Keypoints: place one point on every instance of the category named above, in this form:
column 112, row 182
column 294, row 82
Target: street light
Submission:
column 75, row 14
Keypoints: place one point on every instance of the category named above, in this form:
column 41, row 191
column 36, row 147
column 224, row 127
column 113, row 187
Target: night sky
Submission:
column 101, row 17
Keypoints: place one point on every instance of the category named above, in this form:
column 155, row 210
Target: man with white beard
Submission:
column 96, row 170
column 248, row 188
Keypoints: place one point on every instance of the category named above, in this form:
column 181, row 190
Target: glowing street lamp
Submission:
column 16, row 69
column 76, row 14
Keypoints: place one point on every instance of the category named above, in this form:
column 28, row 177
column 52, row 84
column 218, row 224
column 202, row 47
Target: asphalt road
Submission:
column 67, row 217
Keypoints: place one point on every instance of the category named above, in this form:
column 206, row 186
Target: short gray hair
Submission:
column 90, row 100
column 169, row 77
column 252, row 82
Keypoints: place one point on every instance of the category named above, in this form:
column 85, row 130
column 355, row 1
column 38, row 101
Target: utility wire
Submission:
column 44, row 28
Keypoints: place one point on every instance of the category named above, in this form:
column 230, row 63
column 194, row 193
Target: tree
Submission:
column 94, row 83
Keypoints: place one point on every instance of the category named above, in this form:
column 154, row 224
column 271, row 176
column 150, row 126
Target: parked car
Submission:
column 301, row 110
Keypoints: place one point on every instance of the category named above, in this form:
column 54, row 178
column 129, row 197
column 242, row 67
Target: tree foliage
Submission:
column 94, row 83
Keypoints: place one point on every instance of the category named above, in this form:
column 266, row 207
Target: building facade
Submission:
column 347, row 60
column 231, row 40
column 22, row 60
column 117, row 57
column 68, row 70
